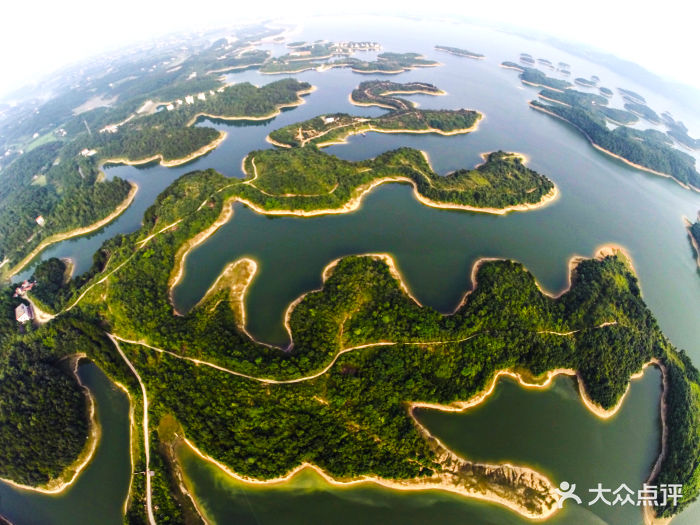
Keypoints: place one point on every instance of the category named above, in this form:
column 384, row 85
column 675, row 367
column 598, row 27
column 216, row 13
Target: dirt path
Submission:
column 146, row 446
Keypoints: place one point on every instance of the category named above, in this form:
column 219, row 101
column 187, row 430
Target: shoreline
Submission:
column 541, row 86
column 648, row 512
column 618, row 157
column 58, row 485
column 601, row 251
column 436, row 482
column 178, row 270
column 58, row 237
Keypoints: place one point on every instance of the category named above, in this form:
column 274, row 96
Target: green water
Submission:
column 602, row 201
column 550, row 430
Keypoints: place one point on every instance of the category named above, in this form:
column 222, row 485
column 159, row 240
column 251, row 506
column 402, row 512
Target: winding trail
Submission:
column 272, row 381
column 146, row 446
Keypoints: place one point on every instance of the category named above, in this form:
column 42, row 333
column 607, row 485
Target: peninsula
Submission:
column 361, row 336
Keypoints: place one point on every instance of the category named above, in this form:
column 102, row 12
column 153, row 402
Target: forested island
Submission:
column 383, row 93
column 360, row 337
column 643, row 111
column 403, row 117
column 535, row 77
column 585, row 82
column 460, row 52
column 304, row 180
column 694, row 234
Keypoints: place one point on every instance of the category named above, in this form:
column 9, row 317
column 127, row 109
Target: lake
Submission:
column 602, row 201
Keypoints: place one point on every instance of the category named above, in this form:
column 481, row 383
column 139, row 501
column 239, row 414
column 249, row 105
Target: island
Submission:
column 606, row 92
column 645, row 150
column 526, row 58
column 585, row 82
column 382, row 93
column 679, row 132
column 363, row 353
column 305, row 181
column 534, row 77
column 632, row 96
column 643, row 111
column 694, row 235
column 330, row 129
column 460, row 52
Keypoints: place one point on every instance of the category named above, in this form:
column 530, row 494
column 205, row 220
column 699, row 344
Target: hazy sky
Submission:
column 38, row 37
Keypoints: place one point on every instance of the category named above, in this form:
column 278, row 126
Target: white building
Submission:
column 88, row 152
column 189, row 99
column 328, row 120
column 201, row 96
column 40, row 220
column 23, row 313
column 169, row 107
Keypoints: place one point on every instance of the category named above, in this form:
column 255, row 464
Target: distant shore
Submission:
column 611, row 154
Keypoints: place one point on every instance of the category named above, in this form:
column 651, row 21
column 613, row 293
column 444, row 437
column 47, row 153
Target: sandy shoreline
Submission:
column 436, row 482
column 611, row 154
column 71, row 472
column 58, row 237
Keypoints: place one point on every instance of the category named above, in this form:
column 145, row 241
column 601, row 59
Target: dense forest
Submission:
column 43, row 413
column 308, row 179
column 643, row 111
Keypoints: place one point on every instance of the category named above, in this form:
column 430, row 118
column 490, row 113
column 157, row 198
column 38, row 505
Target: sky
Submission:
column 41, row 36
